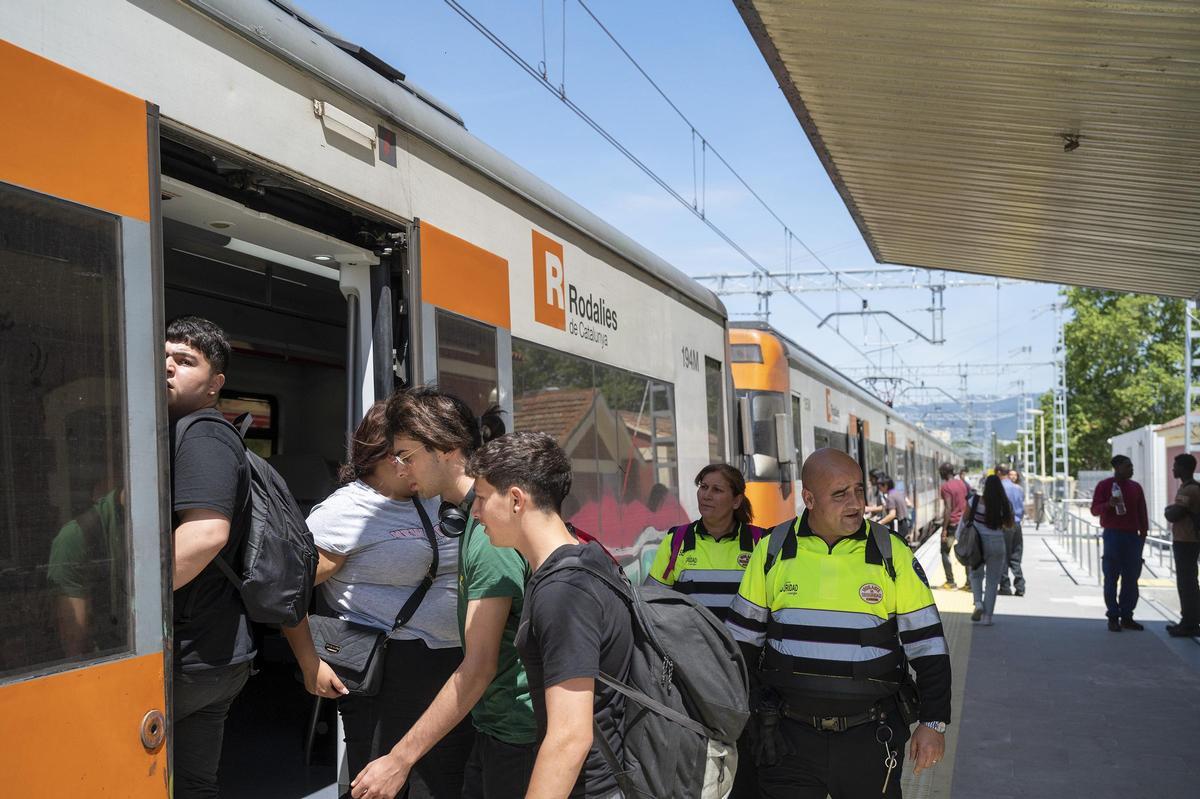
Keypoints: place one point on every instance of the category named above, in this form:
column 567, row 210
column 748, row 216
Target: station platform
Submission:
column 1049, row 703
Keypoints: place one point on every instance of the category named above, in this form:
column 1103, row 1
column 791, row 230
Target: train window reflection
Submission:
column 467, row 361
column 619, row 430
column 64, row 552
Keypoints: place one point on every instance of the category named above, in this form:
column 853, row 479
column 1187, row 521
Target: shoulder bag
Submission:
column 968, row 548
column 355, row 651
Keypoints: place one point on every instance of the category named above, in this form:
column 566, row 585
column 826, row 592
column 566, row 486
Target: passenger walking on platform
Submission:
column 707, row 558
column 1121, row 505
column 830, row 612
column 895, row 506
column 375, row 555
column 574, row 627
column 433, row 435
column 992, row 515
column 1014, row 540
column 954, row 503
column 214, row 642
column 1183, row 515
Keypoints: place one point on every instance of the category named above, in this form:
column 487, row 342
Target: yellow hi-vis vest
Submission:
column 706, row 569
column 832, row 622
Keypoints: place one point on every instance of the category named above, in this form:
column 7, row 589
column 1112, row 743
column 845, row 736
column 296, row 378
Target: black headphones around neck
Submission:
column 453, row 518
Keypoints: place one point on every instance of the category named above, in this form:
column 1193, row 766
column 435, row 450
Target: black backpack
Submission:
column 687, row 694
column 276, row 562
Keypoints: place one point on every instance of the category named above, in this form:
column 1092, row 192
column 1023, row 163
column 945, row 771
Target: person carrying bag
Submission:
column 356, row 651
column 967, row 546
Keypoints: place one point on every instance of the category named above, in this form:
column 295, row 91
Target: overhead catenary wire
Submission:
column 560, row 92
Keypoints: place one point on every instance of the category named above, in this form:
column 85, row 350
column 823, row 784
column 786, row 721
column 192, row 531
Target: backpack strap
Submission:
column 748, row 537
column 679, row 536
column 881, row 537
column 780, row 534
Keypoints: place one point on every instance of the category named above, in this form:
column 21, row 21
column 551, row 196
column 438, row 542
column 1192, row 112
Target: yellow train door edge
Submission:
column 83, row 693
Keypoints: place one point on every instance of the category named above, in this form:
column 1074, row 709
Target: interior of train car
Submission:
column 259, row 256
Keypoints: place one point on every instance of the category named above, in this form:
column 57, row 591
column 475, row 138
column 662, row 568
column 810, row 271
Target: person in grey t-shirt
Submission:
column 373, row 554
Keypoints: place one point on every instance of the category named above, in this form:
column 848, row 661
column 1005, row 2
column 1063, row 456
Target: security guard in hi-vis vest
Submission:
column 831, row 613
column 706, row 558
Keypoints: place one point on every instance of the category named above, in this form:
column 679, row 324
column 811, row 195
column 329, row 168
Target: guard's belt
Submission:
column 836, row 723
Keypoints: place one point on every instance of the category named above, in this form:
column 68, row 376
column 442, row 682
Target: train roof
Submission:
column 805, row 359
column 288, row 33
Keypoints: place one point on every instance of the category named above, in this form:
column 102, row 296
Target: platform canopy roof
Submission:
column 950, row 130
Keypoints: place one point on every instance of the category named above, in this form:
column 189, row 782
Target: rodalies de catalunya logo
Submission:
column 553, row 297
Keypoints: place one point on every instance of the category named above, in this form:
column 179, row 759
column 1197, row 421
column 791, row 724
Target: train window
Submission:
column 714, row 388
column 64, row 540
column 797, row 431
column 764, row 405
column 745, row 353
column 263, row 436
column 618, row 429
column 466, row 353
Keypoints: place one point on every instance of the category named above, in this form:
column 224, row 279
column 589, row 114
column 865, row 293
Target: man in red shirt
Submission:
column 1121, row 506
column 954, row 502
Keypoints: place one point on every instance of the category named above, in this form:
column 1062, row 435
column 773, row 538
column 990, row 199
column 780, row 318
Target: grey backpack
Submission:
column 687, row 695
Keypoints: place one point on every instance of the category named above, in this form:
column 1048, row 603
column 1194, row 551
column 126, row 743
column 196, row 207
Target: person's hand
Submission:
column 1112, row 502
column 1143, row 533
column 323, row 681
column 925, row 749
column 381, row 779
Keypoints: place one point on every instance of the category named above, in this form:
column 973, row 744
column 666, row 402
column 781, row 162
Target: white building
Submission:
column 1153, row 449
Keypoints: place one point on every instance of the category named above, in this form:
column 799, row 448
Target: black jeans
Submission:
column 412, row 676
column 947, row 548
column 1015, row 541
column 498, row 770
column 200, row 703
column 1186, row 553
column 843, row 765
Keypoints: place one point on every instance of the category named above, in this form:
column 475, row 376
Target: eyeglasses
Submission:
column 403, row 458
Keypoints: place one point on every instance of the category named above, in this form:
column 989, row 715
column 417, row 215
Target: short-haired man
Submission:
column 1121, row 505
column 574, row 626
column 210, row 482
column 434, row 434
column 830, row 627
column 954, row 502
column 1183, row 514
column 1014, row 538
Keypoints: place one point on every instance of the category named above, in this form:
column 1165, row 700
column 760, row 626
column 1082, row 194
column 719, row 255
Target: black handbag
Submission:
column 968, row 547
column 355, row 651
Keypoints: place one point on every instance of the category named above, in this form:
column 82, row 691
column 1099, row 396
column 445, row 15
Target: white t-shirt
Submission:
column 387, row 556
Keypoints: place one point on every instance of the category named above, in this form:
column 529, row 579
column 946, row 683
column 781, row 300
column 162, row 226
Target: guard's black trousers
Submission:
column 842, row 765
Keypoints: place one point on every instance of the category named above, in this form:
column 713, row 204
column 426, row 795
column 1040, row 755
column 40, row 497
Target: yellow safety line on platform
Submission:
column 955, row 607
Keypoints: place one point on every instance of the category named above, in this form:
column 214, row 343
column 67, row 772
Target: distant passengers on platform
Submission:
column 991, row 514
column 1013, row 538
column 1121, row 505
column 954, row 504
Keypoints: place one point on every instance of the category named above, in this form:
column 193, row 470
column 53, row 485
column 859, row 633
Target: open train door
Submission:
column 82, row 439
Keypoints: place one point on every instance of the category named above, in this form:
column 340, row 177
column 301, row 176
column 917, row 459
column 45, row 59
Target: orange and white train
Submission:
column 236, row 160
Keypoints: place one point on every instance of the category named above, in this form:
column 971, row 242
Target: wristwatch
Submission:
column 936, row 726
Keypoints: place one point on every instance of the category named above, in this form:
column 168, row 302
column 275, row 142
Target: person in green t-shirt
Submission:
column 434, row 435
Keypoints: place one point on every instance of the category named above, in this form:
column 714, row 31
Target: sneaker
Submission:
column 977, row 614
column 1130, row 624
column 986, row 621
column 948, row 586
column 1005, row 592
column 964, row 587
column 1180, row 631
column 1114, row 626
column 1019, row 592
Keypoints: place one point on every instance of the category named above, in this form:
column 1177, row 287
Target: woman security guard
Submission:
column 706, row 560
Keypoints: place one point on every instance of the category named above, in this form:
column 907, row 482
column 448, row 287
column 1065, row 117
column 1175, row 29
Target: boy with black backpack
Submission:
column 574, row 627
column 212, row 483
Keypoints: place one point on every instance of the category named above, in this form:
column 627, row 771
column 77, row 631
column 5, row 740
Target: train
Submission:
column 237, row 160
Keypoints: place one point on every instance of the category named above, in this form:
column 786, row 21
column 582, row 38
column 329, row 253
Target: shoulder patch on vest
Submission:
column 920, row 572
column 871, row 593
column 743, row 559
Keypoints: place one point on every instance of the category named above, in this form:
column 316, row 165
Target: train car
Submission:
column 793, row 403
column 236, row 160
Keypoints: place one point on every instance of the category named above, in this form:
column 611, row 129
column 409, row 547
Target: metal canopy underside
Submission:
column 942, row 124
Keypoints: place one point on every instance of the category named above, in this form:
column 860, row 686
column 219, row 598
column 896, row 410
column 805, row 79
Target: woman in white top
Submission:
column 992, row 514
column 374, row 552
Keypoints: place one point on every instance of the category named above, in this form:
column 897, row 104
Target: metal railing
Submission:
column 1078, row 533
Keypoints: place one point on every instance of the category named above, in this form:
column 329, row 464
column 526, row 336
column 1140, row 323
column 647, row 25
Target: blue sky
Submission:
column 701, row 55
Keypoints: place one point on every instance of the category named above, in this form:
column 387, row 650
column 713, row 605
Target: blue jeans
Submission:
column 985, row 579
column 1122, row 561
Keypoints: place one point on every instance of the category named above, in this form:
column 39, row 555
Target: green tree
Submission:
column 1124, row 369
